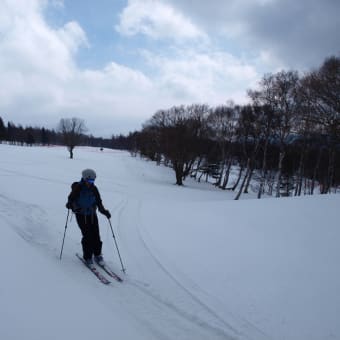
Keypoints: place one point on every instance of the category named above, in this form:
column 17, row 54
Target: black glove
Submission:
column 69, row 205
column 106, row 213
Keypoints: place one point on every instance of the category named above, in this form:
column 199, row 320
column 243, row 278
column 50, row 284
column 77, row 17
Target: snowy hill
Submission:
column 199, row 265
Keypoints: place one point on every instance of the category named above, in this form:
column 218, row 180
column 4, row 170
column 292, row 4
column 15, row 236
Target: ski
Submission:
column 110, row 272
column 94, row 270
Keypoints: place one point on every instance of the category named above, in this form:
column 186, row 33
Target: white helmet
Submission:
column 88, row 174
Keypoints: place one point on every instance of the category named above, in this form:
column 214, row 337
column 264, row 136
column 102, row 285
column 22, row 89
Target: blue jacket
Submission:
column 85, row 199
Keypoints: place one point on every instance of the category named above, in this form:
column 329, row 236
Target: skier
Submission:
column 83, row 200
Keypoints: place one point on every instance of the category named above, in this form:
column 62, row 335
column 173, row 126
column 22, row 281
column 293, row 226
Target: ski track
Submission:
column 29, row 224
column 184, row 310
column 22, row 174
column 128, row 228
column 183, row 315
column 128, row 224
column 197, row 294
column 138, row 298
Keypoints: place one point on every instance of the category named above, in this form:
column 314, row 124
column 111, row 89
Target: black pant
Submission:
column 92, row 245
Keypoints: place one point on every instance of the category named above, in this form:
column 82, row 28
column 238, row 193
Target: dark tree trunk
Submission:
column 250, row 175
column 70, row 149
column 316, row 170
column 239, row 178
column 298, row 188
column 178, row 167
column 279, row 173
column 244, row 180
column 226, row 175
column 264, row 170
column 330, row 172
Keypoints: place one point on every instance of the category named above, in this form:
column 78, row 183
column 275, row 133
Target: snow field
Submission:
column 199, row 265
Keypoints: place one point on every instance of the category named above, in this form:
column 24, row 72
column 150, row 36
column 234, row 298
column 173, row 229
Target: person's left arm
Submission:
column 99, row 203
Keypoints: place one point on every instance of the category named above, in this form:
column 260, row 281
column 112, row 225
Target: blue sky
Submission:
column 98, row 21
column 114, row 63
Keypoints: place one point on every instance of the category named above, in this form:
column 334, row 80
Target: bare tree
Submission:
column 307, row 131
column 72, row 130
column 176, row 133
column 249, row 128
column 266, row 121
column 322, row 90
column 289, row 135
column 222, row 122
column 279, row 92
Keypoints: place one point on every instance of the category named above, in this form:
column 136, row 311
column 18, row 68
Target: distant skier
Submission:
column 83, row 200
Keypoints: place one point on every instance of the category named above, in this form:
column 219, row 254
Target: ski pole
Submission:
column 62, row 246
column 123, row 269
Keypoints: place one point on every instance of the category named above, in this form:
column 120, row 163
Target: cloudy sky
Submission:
column 114, row 63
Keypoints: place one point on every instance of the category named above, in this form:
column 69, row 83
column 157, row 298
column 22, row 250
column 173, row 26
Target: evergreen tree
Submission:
column 2, row 130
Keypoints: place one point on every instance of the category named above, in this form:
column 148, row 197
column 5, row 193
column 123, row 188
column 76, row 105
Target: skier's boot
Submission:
column 99, row 259
column 89, row 262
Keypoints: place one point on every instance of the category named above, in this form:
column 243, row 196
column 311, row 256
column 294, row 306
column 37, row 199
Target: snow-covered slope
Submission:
column 199, row 265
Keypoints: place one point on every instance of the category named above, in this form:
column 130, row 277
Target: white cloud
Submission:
column 211, row 77
column 157, row 20
column 41, row 81
column 73, row 36
column 29, row 47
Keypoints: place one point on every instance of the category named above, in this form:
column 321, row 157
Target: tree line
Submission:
column 286, row 140
column 69, row 132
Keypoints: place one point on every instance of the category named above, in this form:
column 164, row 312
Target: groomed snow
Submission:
column 199, row 264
